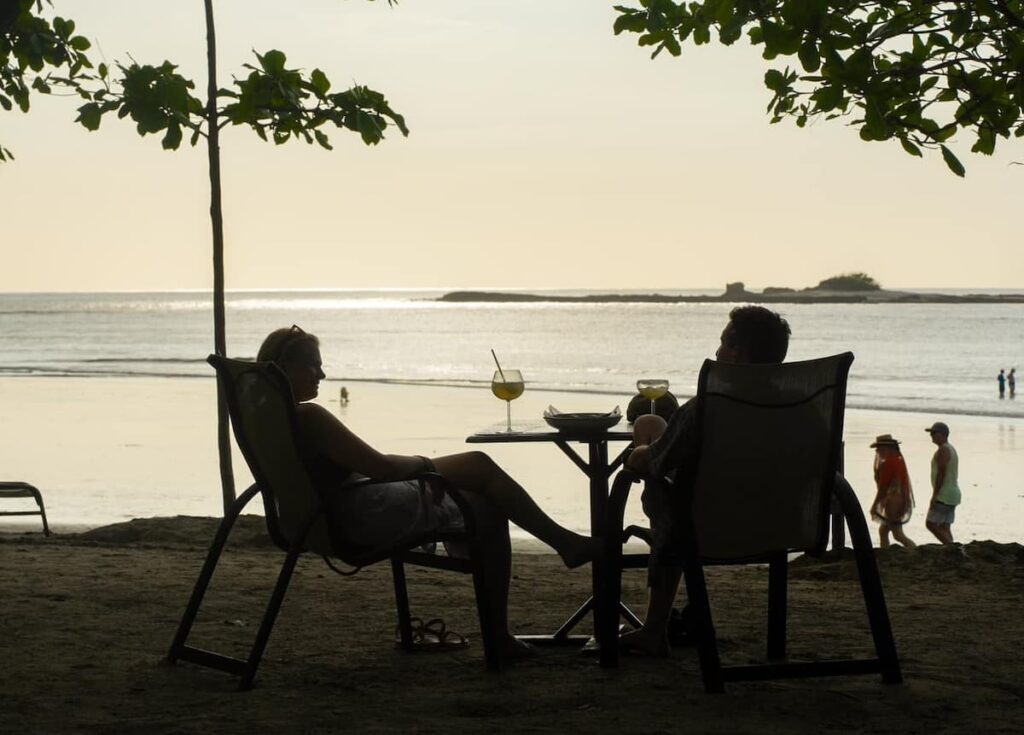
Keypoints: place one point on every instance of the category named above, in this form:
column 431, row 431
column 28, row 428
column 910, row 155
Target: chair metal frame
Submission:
column 714, row 674
column 24, row 490
column 407, row 553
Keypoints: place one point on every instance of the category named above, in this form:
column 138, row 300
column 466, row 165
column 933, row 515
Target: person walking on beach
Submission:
column 1001, row 379
column 753, row 335
column 1011, row 382
column 894, row 500
column 945, row 487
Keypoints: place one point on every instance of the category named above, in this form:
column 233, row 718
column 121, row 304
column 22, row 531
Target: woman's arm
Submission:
column 320, row 430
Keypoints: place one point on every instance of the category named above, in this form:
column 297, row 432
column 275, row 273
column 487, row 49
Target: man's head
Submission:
column 755, row 335
column 939, row 432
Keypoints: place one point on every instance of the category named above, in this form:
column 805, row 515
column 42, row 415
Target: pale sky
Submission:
column 544, row 152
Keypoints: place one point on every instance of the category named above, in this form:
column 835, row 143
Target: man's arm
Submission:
column 941, row 462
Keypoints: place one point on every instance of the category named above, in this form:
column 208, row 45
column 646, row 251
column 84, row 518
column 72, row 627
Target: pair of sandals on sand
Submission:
column 433, row 635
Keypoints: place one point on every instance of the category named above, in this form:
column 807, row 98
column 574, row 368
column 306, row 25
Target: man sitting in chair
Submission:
column 753, row 335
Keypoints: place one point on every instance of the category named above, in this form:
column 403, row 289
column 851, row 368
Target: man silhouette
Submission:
column 753, row 335
column 945, row 485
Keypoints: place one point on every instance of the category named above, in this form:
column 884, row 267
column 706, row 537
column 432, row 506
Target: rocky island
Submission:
column 847, row 288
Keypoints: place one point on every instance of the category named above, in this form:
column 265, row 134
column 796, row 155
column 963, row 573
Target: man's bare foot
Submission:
column 582, row 550
column 516, row 649
column 645, row 642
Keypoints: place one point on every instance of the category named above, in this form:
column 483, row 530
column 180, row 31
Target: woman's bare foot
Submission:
column 580, row 550
column 645, row 642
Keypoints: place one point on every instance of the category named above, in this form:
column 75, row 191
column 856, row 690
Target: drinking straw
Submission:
column 500, row 371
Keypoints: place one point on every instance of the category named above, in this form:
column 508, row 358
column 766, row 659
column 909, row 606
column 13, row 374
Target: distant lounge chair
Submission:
column 263, row 418
column 770, row 438
column 24, row 490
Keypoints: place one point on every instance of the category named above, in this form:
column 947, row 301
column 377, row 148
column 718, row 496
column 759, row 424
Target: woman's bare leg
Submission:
column 899, row 535
column 477, row 474
column 496, row 557
column 883, row 536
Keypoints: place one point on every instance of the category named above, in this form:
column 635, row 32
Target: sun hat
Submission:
column 938, row 428
column 885, row 440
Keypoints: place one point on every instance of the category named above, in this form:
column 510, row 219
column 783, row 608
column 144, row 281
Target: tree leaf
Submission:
column 910, row 148
column 172, row 139
column 89, row 115
column 986, row 142
column 322, row 139
column 272, row 61
column 320, row 81
column 774, row 80
column 953, row 162
column 808, row 55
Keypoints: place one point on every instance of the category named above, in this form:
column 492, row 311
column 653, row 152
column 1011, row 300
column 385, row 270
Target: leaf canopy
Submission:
column 277, row 102
column 913, row 71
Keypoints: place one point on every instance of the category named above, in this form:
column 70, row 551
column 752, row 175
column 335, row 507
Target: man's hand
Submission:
column 639, row 459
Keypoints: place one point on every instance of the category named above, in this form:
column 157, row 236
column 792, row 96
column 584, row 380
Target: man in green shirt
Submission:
column 945, row 488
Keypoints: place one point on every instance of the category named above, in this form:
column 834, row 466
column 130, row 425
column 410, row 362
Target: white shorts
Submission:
column 384, row 515
column 941, row 514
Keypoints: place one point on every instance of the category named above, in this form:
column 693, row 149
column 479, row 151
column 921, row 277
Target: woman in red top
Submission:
column 894, row 500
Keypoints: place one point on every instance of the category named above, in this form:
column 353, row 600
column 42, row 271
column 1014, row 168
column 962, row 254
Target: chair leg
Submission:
column 270, row 616
column 42, row 510
column 402, row 603
column 492, row 644
column 206, row 573
column 777, row 601
column 707, row 643
column 870, row 582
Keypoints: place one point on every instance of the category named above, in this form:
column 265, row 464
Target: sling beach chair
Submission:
column 24, row 490
column 761, row 488
column 262, row 415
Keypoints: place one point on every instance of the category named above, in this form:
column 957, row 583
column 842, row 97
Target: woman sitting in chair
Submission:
column 384, row 514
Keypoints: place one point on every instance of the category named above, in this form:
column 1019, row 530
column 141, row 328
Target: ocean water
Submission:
column 149, row 449
column 934, row 358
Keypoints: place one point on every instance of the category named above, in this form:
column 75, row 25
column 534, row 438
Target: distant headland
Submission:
column 847, row 288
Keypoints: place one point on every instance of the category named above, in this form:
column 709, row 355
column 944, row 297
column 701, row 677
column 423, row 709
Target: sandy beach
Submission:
column 104, row 450
column 88, row 618
column 89, row 614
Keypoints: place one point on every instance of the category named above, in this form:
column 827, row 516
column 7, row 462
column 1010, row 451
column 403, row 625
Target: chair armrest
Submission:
column 617, row 498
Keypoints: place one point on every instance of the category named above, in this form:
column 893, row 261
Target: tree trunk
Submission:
column 227, row 479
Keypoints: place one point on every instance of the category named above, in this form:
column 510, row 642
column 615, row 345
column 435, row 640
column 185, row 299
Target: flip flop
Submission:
column 432, row 636
column 416, row 624
column 437, row 637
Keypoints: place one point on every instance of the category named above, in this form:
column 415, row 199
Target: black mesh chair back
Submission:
column 770, row 442
column 263, row 419
column 761, row 487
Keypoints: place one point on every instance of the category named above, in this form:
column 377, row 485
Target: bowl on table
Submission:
column 582, row 422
